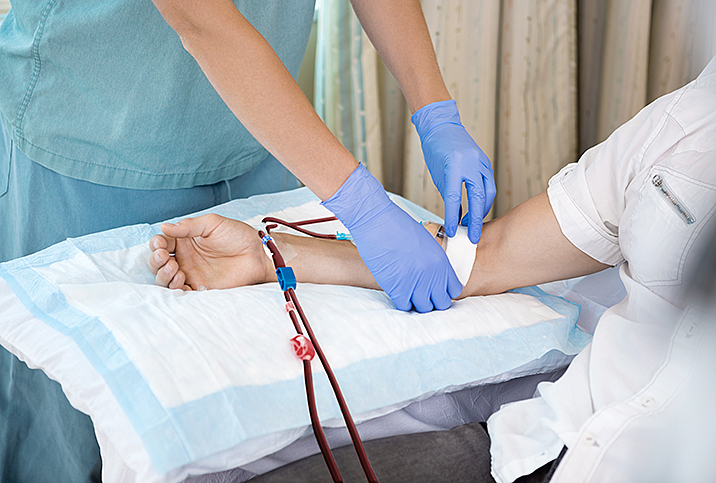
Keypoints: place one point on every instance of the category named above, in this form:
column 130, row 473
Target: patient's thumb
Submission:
column 190, row 227
column 182, row 229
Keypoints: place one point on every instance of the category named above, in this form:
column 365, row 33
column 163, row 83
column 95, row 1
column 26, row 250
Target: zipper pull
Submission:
column 671, row 198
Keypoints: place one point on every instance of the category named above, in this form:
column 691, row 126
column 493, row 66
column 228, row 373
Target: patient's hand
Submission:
column 209, row 252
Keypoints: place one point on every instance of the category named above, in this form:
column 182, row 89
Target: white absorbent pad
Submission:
column 181, row 383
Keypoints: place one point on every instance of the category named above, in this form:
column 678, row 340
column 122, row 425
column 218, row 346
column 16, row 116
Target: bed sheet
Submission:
column 180, row 384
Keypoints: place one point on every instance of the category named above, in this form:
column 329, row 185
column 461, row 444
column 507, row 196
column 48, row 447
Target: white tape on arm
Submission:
column 461, row 253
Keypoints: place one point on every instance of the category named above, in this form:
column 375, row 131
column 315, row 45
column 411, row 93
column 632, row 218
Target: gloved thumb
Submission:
column 454, row 285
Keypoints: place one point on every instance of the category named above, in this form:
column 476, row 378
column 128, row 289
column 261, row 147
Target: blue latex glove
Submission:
column 453, row 157
column 406, row 261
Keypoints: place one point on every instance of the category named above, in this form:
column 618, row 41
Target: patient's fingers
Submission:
column 157, row 241
column 171, row 277
column 162, row 241
column 158, row 259
column 166, row 274
column 178, row 280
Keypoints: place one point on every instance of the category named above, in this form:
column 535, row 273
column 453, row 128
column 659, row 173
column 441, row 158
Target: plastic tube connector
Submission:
column 286, row 278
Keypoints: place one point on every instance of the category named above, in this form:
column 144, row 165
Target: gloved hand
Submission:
column 453, row 157
column 405, row 260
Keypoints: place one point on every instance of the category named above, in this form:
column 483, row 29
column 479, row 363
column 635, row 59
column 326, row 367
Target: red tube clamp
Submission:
column 303, row 347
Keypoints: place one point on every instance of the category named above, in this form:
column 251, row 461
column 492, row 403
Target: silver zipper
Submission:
column 671, row 198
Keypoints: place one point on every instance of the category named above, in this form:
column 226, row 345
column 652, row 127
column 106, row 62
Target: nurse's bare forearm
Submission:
column 255, row 85
column 398, row 30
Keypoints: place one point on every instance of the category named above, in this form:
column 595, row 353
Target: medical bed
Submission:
column 183, row 384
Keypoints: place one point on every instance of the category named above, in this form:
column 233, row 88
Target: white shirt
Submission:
column 643, row 197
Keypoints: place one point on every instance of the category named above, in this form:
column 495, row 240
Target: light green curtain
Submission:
column 346, row 83
column 537, row 82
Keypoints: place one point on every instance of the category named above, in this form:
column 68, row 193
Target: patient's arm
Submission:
column 526, row 247
column 522, row 248
column 215, row 252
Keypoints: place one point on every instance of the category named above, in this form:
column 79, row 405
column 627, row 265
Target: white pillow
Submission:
column 182, row 383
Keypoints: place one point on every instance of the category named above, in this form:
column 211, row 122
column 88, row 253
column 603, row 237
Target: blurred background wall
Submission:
column 537, row 82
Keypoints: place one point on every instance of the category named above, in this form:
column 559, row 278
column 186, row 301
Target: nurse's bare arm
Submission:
column 522, row 248
column 253, row 82
column 398, row 30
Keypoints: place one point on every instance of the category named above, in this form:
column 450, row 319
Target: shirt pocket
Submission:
column 672, row 210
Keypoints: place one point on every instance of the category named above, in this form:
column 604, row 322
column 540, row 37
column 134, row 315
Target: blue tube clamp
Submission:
column 286, row 278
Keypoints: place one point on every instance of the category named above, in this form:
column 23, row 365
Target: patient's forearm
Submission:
column 522, row 248
column 326, row 261
column 318, row 260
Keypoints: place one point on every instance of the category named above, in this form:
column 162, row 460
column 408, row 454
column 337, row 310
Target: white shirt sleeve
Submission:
column 589, row 197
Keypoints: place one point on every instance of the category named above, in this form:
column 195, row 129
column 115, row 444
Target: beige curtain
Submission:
column 537, row 82
column 537, row 91
column 633, row 51
column 511, row 68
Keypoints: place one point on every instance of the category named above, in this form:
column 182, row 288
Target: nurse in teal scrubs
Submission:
column 125, row 112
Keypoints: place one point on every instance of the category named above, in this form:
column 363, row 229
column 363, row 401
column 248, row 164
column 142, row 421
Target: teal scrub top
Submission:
column 103, row 91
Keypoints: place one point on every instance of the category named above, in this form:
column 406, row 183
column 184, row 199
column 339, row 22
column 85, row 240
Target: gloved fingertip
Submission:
column 402, row 304
column 450, row 228
column 442, row 301
column 454, row 287
column 474, row 228
column 452, row 218
column 423, row 306
column 464, row 220
column 474, row 233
